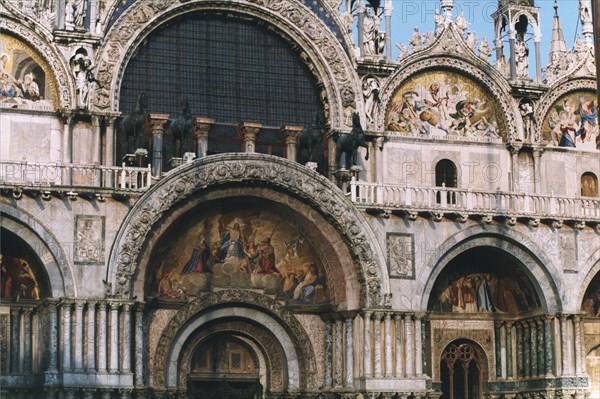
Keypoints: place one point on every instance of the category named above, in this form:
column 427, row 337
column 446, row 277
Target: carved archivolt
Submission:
column 449, row 52
column 304, row 354
column 278, row 173
column 50, row 55
column 321, row 49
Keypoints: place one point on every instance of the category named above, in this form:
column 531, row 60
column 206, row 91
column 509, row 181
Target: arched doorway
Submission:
column 226, row 366
column 462, row 368
column 446, row 176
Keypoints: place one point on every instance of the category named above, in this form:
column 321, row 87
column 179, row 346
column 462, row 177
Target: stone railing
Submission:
column 466, row 201
column 53, row 176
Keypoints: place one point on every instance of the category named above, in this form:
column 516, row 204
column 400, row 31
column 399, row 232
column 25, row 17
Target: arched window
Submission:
column 462, row 368
column 446, row 176
column 589, row 185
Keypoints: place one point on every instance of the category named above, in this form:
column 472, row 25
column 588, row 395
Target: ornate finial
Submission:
column 556, row 8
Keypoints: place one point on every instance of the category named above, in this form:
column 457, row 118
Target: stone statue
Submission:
column 81, row 66
column 522, row 59
column 416, row 41
column 370, row 89
column 373, row 39
column 526, row 110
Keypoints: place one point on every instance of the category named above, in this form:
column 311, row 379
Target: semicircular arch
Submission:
column 46, row 247
column 54, row 60
column 590, row 270
column 244, row 306
column 252, row 170
column 535, row 263
column 323, row 53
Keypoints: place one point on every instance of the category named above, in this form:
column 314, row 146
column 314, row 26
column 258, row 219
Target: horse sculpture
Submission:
column 311, row 136
column 133, row 125
column 181, row 127
column 348, row 144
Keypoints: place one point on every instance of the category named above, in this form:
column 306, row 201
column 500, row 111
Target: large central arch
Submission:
column 321, row 49
column 252, row 170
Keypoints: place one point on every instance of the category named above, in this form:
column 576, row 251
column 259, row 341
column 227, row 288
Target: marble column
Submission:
column 15, row 341
column 27, row 315
column 96, row 141
column 102, row 341
column 578, row 349
column 339, row 355
column 67, row 145
column 513, row 60
column 387, row 11
column 201, row 129
column 290, row 136
column 387, row 324
column 526, row 349
column 537, row 169
column 498, row 343
column 328, row 353
column 418, row 345
column 520, row 350
column 408, row 345
column 157, row 123
column 349, row 353
column 139, row 345
column 66, row 336
column 399, row 346
column 533, row 341
column 509, row 349
column 537, row 38
column 114, row 337
column 564, row 336
column 548, row 357
column 377, row 344
column 78, row 352
column 52, row 350
column 360, row 16
column 539, row 326
column 91, row 337
column 378, row 150
column 109, row 153
column 367, row 337
column 126, row 351
column 514, row 168
column 93, row 15
column 248, row 132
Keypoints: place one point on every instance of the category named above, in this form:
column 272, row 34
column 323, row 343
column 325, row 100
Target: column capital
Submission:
column 249, row 130
column 290, row 133
column 202, row 127
column 157, row 122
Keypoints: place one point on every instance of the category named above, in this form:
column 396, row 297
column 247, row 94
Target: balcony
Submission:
column 73, row 179
column 380, row 198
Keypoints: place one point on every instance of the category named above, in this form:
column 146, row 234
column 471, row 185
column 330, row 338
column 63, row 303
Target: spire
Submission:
column 558, row 45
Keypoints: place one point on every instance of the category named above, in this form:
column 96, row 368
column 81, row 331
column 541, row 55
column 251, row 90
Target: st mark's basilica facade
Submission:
column 256, row 199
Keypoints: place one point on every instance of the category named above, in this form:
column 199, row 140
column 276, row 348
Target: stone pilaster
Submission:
column 109, row 153
column 248, row 132
column 201, row 130
column 96, row 144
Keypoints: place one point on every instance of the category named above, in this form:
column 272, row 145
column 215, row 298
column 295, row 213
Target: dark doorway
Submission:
column 461, row 369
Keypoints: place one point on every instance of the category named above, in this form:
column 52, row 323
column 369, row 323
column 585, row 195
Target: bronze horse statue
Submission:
column 181, row 127
column 348, row 144
column 133, row 125
column 311, row 137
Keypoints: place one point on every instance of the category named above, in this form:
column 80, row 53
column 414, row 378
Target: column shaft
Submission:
column 377, row 352
column 102, row 341
column 91, row 337
column 388, row 344
column 367, row 353
column 399, row 347
column 339, row 339
column 52, row 350
column 418, row 346
column 328, row 353
column 408, row 342
column 66, row 337
column 126, row 351
column 349, row 354
column 78, row 361
column 139, row 346
column 114, row 338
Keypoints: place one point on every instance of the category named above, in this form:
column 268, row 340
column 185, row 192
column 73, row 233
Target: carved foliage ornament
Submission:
column 291, row 16
column 247, row 168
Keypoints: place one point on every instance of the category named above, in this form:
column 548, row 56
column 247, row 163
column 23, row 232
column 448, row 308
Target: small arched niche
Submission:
column 483, row 280
column 23, row 275
column 589, row 185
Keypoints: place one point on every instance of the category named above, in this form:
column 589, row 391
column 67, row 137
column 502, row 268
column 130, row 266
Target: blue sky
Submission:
column 410, row 13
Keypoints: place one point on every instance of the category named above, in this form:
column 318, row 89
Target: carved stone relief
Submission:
column 401, row 255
